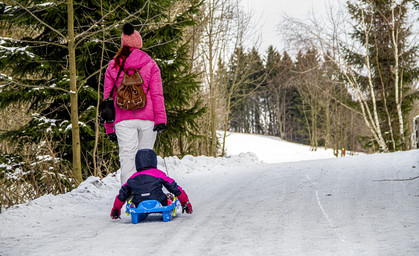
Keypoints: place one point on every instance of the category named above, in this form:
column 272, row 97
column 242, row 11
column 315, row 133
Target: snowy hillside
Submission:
column 277, row 205
column 270, row 149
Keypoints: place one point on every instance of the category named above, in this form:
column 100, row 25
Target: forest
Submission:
column 347, row 81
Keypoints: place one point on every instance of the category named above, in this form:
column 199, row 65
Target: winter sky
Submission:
column 267, row 14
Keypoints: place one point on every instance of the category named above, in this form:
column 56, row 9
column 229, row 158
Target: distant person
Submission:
column 134, row 129
column 147, row 184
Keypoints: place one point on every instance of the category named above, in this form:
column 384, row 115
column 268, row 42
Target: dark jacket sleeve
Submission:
column 171, row 185
column 124, row 193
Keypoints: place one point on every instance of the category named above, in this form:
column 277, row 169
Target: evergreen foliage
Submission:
column 283, row 102
column 246, row 73
column 34, row 67
column 380, row 50
column 239, row 117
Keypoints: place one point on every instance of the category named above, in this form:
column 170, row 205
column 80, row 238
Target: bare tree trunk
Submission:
column 327, row 137
column 314, row 126
column 307, row 123
column 213, row 106
column 96, row 171
column 352, row 132
column 336, row 145
column 376, row 121
column 212, row 101
column 75, row 129
column 214, row 34
column 280, row 118
column 398, row 85
column 227, row 115
column 345, row 127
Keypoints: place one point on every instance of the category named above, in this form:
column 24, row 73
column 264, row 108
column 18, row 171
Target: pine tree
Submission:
column 246, row 75
column 283, row 98
column 292, row 116
column 269, row 95
column 238, row 120
column 391, row 65
column 35, row 67
column 255, row 80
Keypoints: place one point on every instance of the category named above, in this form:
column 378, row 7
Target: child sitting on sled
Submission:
column 147, row 184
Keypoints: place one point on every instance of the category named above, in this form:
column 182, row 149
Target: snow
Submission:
column 12, row 50
column 301, row 203
column 273, row 149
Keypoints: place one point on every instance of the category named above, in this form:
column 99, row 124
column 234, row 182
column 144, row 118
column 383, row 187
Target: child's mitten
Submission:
column 184, row 201
column 116, row 210
column 187, row 208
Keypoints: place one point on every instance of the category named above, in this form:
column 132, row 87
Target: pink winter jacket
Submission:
column 154, row 109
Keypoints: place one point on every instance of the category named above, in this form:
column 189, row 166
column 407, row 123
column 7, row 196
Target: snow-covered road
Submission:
column 363, row 205
column 323, row 207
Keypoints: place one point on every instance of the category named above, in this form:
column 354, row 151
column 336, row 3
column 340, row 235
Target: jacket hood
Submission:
column 137, row 58
column 145, row 159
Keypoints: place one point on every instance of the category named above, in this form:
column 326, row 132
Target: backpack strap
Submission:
column 116, row 80
column 137, row 70
column 131, row 68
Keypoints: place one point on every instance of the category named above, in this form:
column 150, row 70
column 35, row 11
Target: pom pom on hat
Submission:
column 128, row 29
column 130, row 37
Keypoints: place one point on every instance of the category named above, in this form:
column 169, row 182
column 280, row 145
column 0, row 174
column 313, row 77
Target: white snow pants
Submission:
column 133, row 135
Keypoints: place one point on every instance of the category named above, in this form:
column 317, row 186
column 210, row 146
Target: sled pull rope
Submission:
column 165, row 166
column 164, row 159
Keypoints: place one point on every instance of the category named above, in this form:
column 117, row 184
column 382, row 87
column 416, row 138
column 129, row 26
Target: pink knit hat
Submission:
column 130, row 37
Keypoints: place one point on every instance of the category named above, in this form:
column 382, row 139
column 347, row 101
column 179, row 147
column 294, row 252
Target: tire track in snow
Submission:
column 328, row 219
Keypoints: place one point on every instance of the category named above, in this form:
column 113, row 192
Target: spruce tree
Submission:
column 255, row 80
column 269, row 95
column 292, row 116
column 391, row 77
column 246, row 75
column 239, row 110
column 35, row 67
column 282, row 97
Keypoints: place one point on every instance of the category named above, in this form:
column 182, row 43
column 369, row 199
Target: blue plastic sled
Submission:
column 152, row 206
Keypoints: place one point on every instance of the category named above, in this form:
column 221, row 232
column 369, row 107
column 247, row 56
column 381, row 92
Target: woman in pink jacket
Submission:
column 135, row 129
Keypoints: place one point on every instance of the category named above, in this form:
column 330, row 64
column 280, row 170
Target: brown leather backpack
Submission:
column 130, row 94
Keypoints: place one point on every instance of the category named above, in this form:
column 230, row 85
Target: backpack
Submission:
column 130, row 94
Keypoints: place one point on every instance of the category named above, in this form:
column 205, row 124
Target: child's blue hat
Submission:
column 145, row 159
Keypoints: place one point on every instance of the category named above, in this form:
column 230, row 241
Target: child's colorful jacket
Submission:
column 147, row 184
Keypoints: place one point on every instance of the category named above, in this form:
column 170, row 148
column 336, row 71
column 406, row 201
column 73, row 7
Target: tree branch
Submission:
column 41, row 21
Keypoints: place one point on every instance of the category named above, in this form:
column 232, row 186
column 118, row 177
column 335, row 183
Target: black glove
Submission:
column 112, row 137
column 187, row 208
column 159, row 127
column 116, row 213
